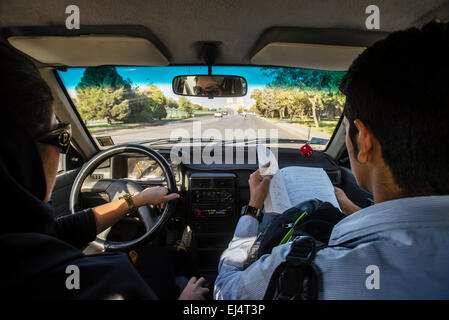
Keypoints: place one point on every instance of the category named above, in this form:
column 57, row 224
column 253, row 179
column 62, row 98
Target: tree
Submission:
column 171, row 103
column 140, row 108
column 315, row 83
column 102, row 103
column 158, row 102
column 186, row 105
column 102, row 94
column 306, row 79
column 102, row 77
column 159, row 111
column 265, row 101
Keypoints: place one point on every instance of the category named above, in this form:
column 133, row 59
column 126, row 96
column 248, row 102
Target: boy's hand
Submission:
column 347, row 206
column 194, row 290
column 259, row 186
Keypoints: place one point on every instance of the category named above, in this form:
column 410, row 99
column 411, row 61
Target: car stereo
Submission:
column 212, row 195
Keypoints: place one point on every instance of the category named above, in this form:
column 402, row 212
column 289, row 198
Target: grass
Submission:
column 327, row 126
column 109, row 126
column 126, row 125
column 198, row 112
column 130, row 125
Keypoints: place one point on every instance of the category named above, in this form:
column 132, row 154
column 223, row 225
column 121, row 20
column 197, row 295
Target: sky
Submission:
column 162, row 77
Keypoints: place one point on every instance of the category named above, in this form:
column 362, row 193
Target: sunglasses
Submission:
column 59, row 137
column 200, row 91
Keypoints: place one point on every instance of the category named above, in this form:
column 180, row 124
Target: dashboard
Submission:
column 212, row 194
column 145, row 170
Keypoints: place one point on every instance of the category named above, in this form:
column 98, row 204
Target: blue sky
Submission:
column 162, row 77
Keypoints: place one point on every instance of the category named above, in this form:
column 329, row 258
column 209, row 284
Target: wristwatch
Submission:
column 129, row 201
column 257, row 213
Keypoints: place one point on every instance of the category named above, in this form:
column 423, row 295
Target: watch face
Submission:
column 251, row 210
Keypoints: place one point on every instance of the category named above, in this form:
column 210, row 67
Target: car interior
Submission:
column 319, row 35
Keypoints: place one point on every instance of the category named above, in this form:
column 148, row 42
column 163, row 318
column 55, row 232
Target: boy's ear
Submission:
column 364, row 141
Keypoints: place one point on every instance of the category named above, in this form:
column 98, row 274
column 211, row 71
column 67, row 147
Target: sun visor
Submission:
column 303, row 55
column 90, row 50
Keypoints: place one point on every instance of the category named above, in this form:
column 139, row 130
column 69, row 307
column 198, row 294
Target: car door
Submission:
column 69, row 165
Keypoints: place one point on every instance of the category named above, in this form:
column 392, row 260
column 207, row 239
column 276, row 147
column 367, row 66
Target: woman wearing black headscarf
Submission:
column 38, row 250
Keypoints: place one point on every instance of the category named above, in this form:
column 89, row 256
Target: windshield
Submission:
column 286, row 106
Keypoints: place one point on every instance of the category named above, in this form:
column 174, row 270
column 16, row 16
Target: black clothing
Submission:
column 34, row 259
column 35, row 267
column 77, row 229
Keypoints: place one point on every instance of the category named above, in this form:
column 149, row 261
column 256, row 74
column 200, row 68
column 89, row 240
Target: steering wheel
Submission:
column 115, row 188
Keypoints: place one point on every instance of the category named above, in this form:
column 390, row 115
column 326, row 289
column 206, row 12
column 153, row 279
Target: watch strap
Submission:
column 129, row 201
column 257, row 213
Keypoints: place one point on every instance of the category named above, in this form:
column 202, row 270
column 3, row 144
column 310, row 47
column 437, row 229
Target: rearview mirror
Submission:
column 210, row 86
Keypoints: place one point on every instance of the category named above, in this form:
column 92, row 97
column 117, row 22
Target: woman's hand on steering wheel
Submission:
column 153, row 196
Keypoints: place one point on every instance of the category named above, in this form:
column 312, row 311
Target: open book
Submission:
column 293, row 185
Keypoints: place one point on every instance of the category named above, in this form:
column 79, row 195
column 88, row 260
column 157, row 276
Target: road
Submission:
column 208, row 126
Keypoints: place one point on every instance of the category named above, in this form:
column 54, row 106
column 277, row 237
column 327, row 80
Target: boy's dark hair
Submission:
column 22, row 90
column 399, row 88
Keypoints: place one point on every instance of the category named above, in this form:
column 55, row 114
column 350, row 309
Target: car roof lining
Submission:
column 326, row 49
column 176, row 26
column 95, row 50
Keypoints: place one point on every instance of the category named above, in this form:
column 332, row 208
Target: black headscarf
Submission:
column 23, row 180
column 35, row 259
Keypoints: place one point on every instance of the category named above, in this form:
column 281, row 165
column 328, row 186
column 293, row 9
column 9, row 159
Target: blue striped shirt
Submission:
column 407, row 240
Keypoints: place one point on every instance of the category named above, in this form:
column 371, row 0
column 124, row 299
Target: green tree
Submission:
column 102, row 103
column 306, row 79
column 266, row 103
column 315, row 83
column 159, row 102
column 159, row 111
column 102, row 77
column 186, row 105
column 140, row 107
column 171, row 103
column 102, row 94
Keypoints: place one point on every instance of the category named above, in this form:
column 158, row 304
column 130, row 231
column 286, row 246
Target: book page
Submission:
column 305, row 183
column 265, row 155
column 277, row 200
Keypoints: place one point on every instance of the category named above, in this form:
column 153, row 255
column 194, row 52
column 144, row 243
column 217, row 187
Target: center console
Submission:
column 212, row 215
column 212, row 196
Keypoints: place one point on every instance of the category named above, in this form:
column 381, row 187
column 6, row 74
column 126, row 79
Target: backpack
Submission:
column 309, row 224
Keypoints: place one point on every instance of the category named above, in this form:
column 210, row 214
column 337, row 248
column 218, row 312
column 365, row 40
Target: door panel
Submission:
column 61, row 192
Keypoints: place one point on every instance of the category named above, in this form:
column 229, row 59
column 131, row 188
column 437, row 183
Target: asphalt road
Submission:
column 208, row 126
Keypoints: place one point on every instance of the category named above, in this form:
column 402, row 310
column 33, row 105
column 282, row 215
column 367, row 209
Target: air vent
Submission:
column 201, row 183
column 223, row 183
